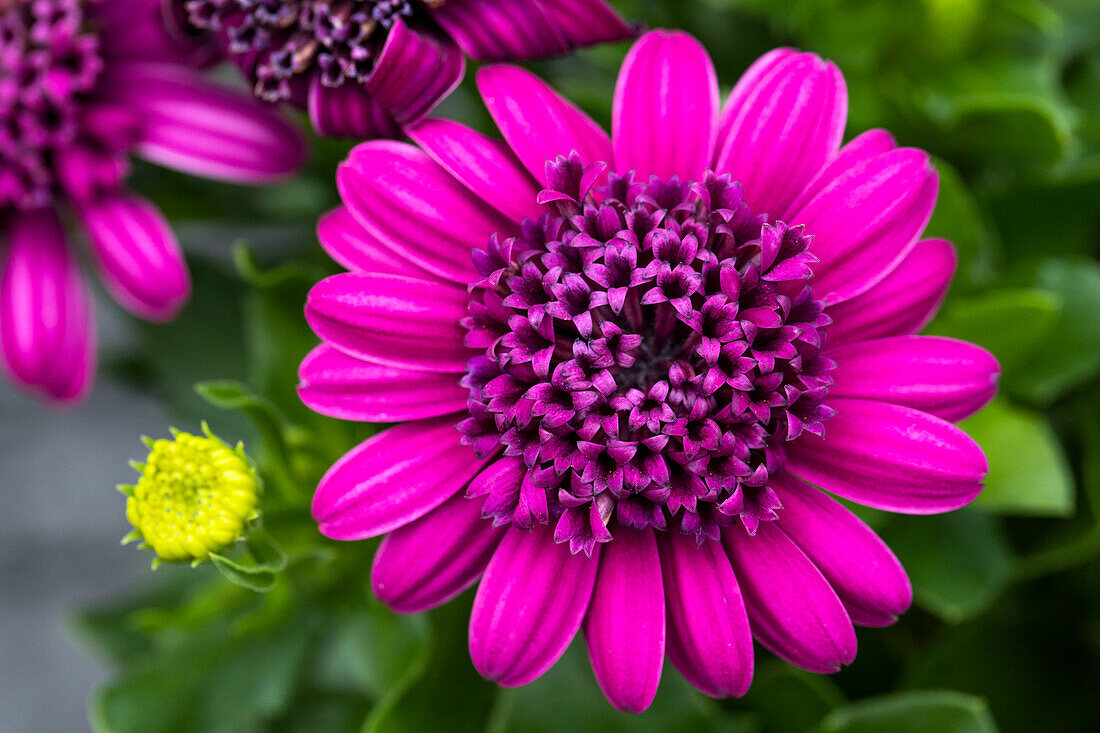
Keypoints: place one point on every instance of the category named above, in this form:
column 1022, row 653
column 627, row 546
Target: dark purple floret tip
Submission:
column 648, row 351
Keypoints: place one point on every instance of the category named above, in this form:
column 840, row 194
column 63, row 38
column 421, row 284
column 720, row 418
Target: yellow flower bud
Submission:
column 196, row 496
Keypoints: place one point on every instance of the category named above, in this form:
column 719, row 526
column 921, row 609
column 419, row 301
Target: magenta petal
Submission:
column 902, row 302
column 746, row 87
column 338, row 385
column 588, row 22
column 941, row 376
column 709, row 640
column 137, row 254
column 858, row 565
column 393, row 478
column 793, row 610
column 208, row 131
column 891, row 457
column 392, row 320
column 136, row 29
column 433, row 559
column 782, row 129
column 348, row 111
column 416, row 70
column 558, row 128
column 665, row 112
column 625, row 625
column 859, row 149
column 529, row 605
column 408, row 203
column 866, row 220
column 346, row 241
column 496, row 30
column 485, row 166
column 47, row 329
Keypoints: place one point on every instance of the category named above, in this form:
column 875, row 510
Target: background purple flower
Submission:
column 654, row 368
column 82, row 85
column 363, row 68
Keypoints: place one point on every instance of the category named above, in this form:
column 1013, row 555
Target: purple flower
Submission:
column 364, row 68
column 82, row 84
column 655, row 371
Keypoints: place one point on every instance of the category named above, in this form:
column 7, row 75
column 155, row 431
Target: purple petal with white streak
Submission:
column 411, row 205
column 625, row 625
column 392, row 479
column 865, row 574
column 433, row 559
column 348, row 111
column 137, row 254
column 529, row 606
column 346, row 241
column 392, row 320
column 588, row 22
column 485, row 166
column 902, row 302
column 709, row 639
column 47, row 328
column 783, row 128
column 944, row 377
column 198, row 128
column 891, row 457
column 859, row 149
column 665, row 112
column 342, row 386
column 416, row 70
column 793, row 610
column 866, row 220
column 496, row 30
column 559, row 127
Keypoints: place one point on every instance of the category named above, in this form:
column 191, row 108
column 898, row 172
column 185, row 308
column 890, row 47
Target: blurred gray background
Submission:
column 61, row 520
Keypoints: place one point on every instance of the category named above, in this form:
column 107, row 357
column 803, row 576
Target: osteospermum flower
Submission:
column 663, row 351
column 82, row 84
column 362, row 68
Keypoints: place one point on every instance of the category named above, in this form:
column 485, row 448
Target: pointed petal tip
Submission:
column 529, row 606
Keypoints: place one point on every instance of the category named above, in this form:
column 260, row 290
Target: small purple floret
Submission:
column 648, row 351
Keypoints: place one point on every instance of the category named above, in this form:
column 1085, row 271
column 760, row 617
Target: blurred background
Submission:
column 1005, row 630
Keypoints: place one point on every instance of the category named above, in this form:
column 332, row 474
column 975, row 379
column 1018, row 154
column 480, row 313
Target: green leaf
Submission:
column 209, row 681
column 790, row 699
column 1010, row 323
column 1006, row 109
column 568, row 699
column 168, row 358
column 959, row 563
column 440, row 689
column 1028, row 471
column 913, row 712
column 252, row 577
column 1070, row 355
column 269, row 421
column 959, row 219
column 371, row 651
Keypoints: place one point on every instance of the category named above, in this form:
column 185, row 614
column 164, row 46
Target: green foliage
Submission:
column 1006, row 95
column 1028, row 471
column 933, row 551
column 905, row 712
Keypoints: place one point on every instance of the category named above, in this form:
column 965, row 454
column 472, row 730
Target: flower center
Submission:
column 648, row 350
column 282, row 39
column 194, row 497
column 48, row 65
